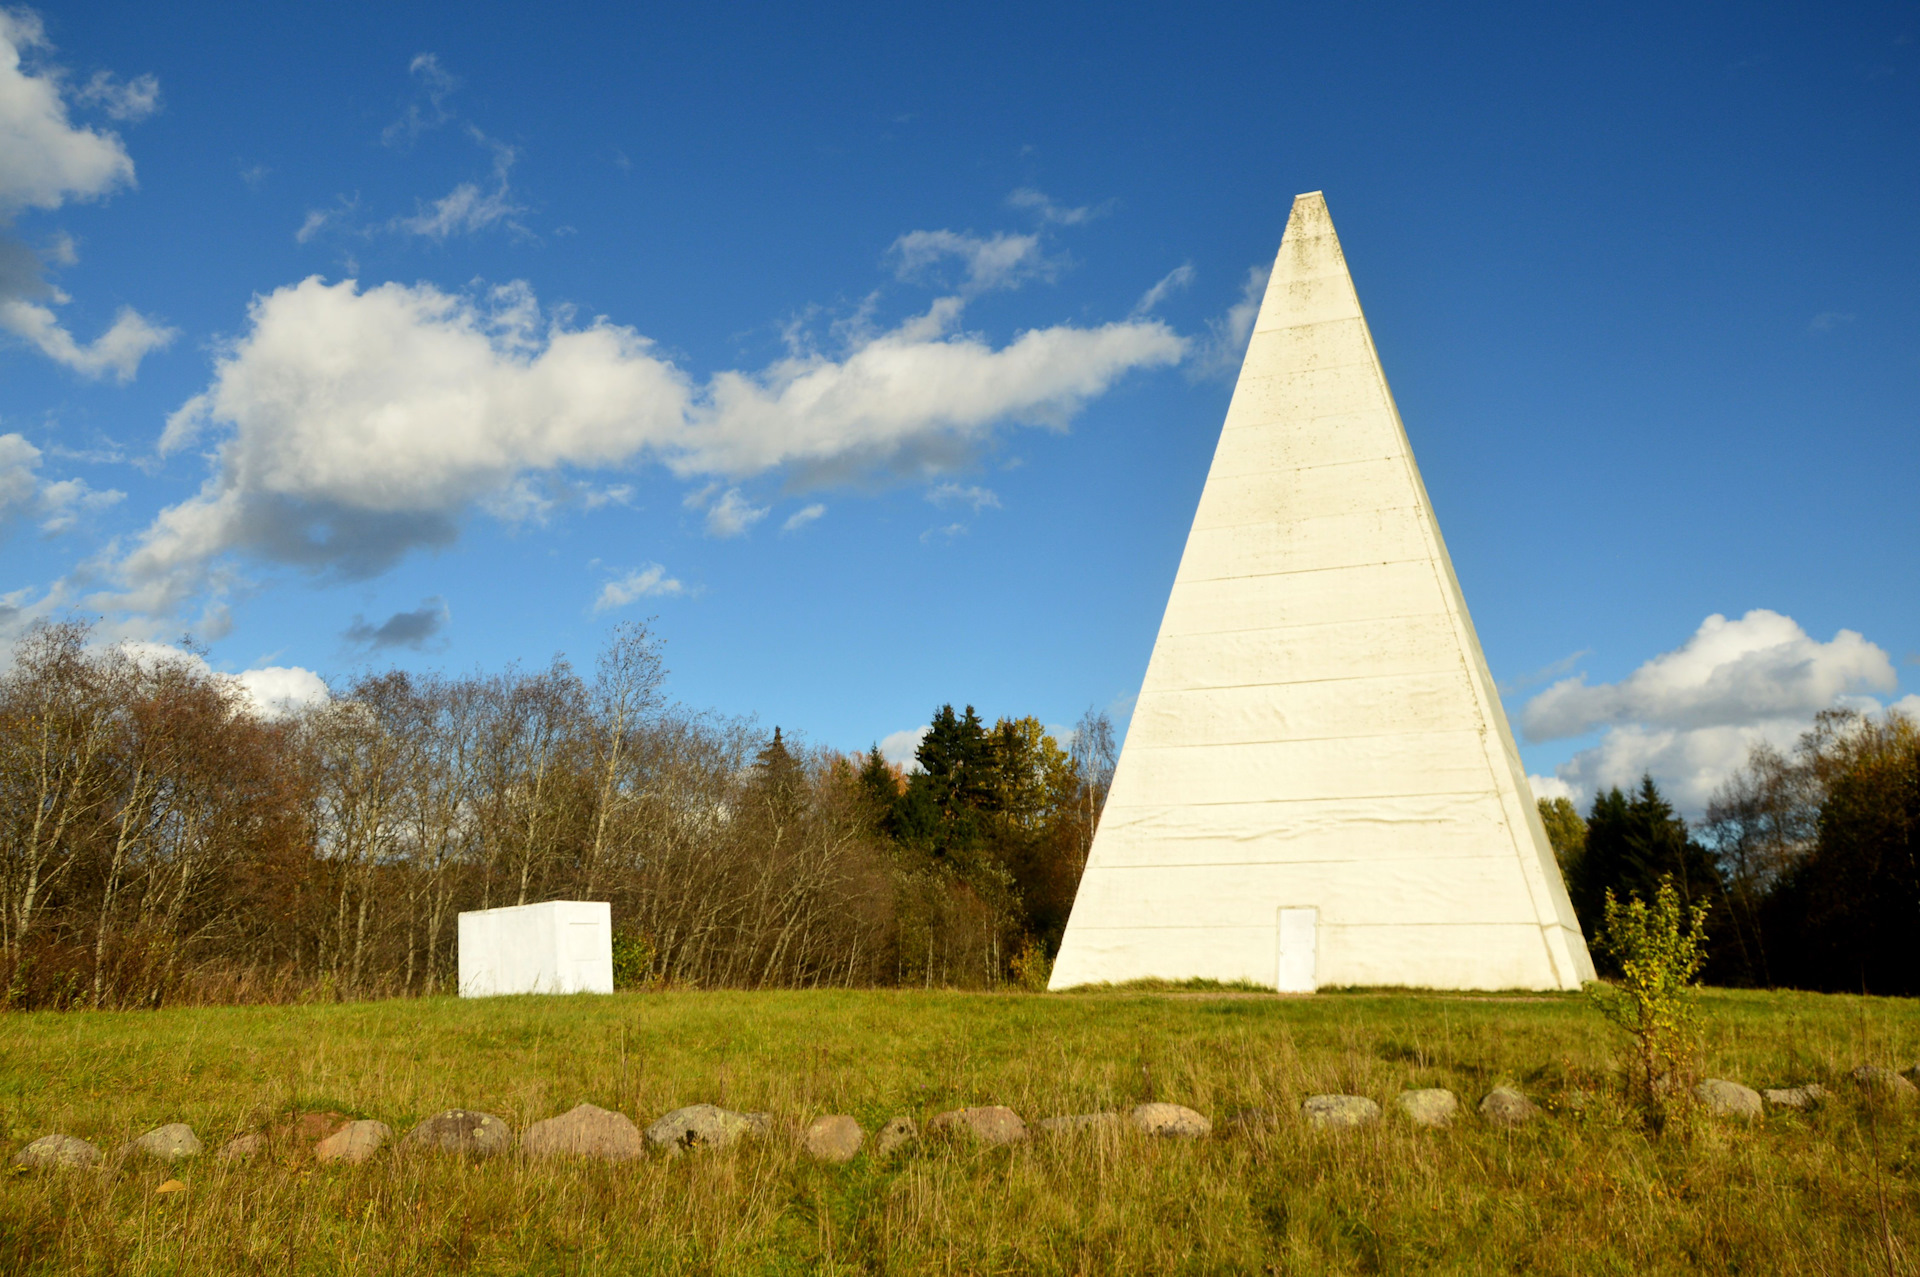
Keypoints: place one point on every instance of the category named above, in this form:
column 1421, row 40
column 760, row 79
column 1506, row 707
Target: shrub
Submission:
column 1032, row 968
column 1659, row 948
column 632, row 960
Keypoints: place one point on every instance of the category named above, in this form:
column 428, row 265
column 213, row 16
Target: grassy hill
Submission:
column 1580, row 1191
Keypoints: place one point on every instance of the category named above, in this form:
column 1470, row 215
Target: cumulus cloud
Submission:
column 635, row 585
column 900, row 748
column 46, row 160
column 947, row 494
column 57, row 504
column 729, row 515
column 272, row 691
column 357, row 424
column 802, row 517
column 1225, row 345
column 1690, row 716
column 403, row 629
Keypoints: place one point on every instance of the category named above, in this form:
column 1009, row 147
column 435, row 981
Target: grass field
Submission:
column 1581, row 1191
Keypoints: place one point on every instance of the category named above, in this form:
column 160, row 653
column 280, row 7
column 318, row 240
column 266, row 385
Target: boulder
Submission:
column 1081, row 1123
column 353, row 1143
column 1885, row 1081
column 584, row 1131
column 174, row 1142
column 1434, row 1106
column 1729, row 1099
column 1170, row 1121
column 304, row 1130
column 51, row 1152
column 989, row 1123
column 1504, row 1106
column 1796, row 1097
column 895, row 1135
column 461, row 1131
column 705, row 1126
column 242, row 1147
column 1339, row 1112
column 835, row 1138
column 170, row 1187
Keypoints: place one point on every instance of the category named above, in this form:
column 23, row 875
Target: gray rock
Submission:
column 243, row 1147
column 835, row 1138
column 584, row 1131
column 1434, row 1106
column 464, row 1131
column 1080, row 1123
column 1729, row 1099
column 895, row 1135
column 1885, row 1081
column 1796, row 1097
column 759, row 1123
column 1170, row 1121
column 1504, row 1106
column 1340, row 1112
column 353, row 1143
column 704, row 1126
column 174, row 1142
column 989, row 1123
column 51, row 1152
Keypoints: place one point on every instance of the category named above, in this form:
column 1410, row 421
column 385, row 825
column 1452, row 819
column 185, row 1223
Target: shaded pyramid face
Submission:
column 1319, row 786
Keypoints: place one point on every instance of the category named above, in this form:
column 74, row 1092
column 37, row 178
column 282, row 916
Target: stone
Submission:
column 1729, row 1099
column 1886, row 1081
column 989, row 1123
column 1340, row 1112
column 57, row 1152
column 307, row 1129
column 704, row 1126
column 1796, row 1097
column 174, row 1142
column 895, row 1135
column 1170, row 1121
column 1434, row 1106
column 462, row 1131
column 171, row 1186
column 759, row 1123
column 1504, row 1106
column 353, row 1143
column 1080, row 1123
column 584, row 1131
column 834, row 1138
column 242, row 1147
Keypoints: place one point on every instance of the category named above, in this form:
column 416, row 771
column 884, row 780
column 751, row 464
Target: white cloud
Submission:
column 733, row 514
column 1037, row 202
column 1173, row 281
column 44, row 159
column 638, row 584
column 1549, row 788
column 947, row 494
column 57, row 504
column 802, row 517
column 358, row 424
column 428, row 110
column 900, row 747
column 130, row 100
column 466, row 208
column 272, row 691
column 118, row 351
column 1689, row 717
column 1003, row 261
column 1225, row 345
column 316, row 221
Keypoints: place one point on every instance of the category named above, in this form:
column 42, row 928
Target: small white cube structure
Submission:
column 559, row 946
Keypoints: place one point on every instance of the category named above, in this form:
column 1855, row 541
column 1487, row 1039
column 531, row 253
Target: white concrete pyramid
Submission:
column 1319, row 787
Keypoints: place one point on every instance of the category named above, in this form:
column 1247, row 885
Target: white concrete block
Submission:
column 1318, row 735
column 557, row 946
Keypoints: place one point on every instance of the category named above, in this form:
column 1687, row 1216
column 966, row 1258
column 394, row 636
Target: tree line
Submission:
column 163, row 840
column 1808, row 861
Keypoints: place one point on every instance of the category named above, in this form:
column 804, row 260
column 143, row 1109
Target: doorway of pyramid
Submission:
column 1299, row 950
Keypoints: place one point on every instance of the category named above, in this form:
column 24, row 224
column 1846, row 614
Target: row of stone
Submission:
column 592, row 1132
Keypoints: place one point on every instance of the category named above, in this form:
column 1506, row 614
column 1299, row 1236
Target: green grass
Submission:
column 1583, row 1191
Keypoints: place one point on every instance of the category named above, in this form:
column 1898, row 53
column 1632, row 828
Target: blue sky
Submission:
column 825, row 337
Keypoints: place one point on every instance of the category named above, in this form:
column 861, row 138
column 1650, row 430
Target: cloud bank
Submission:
column 1690, row 716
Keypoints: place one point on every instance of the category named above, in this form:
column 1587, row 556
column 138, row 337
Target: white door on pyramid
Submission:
column 1299, row 941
